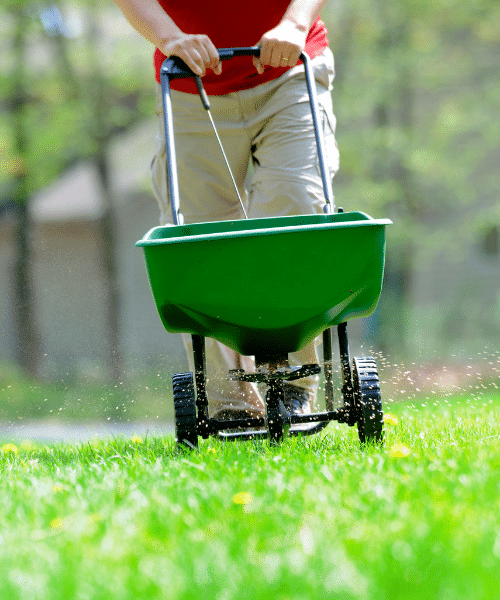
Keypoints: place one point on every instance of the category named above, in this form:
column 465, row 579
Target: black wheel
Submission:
column 186, row 422
column 367, row 400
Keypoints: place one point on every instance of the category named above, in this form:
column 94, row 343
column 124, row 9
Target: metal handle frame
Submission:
column 175, row 68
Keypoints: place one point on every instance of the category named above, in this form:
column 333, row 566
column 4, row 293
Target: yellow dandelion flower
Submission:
column 10, row 448
column 95, row 518
column 242, row 498
column 211, row 451
column 136, row 439
column 400, row 451
column 390, row 419
column 57, row 487
column 56, row 523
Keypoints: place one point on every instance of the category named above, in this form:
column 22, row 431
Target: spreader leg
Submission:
column 328, row 362
column 200, row 379
column 345, row 365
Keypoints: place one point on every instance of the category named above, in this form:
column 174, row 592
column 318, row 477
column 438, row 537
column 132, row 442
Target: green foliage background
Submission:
column 67, row 83
column 416, row 97
column 431, row 66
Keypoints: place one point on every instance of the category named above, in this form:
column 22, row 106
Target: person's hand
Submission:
column 281, row 46
column 197, row 51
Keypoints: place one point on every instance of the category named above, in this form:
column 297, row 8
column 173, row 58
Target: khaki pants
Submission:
column 269, row 141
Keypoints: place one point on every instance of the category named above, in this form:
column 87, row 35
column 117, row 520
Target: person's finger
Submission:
column 197, row 51
column 204, row 54
column 265, row 52
column 185, row 49
column 293, row 59
column 214, row 60
column 258, row 65
column 257, row 60
column 193, row 60
column 284, row 58
column 275, row 55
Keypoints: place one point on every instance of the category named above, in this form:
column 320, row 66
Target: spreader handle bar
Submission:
column 311, row 88
column 176, row 68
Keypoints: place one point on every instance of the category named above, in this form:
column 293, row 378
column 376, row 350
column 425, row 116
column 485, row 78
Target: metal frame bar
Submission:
column 328, row 369
column 175, row 68
column 200, row 382
column 345, row 363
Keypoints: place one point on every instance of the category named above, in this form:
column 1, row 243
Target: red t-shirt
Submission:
column 229, row 24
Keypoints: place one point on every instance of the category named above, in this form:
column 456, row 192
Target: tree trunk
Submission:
column 107, row 239
column 27, row 338
column 93, row 92
column 101, row 133
column 396, row 111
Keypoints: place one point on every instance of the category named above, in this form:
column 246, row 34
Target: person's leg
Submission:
column 225, row 396
column 287, row 179
column 205, row 187
column 207, row 194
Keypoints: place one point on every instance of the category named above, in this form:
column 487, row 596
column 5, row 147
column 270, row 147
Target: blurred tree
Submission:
column 27, row 347
column 81, row 94
column 102, row 130
column 417, row 96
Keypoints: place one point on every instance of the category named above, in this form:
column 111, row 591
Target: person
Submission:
column 262, row 112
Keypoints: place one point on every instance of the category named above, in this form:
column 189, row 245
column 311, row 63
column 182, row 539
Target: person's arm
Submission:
column 282, row 45
column 154, row 24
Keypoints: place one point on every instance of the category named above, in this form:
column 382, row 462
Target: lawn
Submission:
column 314, row 518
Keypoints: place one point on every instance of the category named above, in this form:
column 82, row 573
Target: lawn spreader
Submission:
column 199, row 275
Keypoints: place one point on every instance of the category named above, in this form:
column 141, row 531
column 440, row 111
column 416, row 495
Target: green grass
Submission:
column 320, row 517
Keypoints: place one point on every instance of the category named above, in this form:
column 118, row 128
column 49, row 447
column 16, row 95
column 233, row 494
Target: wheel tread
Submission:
column 186, row 423
column 368, row 400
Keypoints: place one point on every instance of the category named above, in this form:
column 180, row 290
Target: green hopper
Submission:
column 266, row 286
